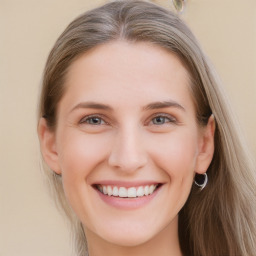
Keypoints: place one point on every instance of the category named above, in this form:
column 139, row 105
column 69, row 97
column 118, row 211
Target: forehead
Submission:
column 134, row 55
column 121, row 70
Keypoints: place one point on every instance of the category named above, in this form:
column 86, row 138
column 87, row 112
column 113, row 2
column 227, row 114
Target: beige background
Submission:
column 29, row 223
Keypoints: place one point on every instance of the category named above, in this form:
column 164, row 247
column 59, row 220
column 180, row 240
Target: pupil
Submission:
column 95, row 120
column 159, row 120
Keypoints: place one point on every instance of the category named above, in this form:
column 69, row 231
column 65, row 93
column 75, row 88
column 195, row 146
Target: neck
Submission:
column 165, row 243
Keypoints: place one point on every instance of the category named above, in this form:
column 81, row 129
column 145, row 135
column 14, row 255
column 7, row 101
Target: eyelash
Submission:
column 167, row 119
column 87, row 119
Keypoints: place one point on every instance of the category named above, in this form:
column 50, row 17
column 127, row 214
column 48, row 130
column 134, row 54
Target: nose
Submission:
column 128, row 153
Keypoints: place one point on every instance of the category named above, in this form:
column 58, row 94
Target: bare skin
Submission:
column 127, row 121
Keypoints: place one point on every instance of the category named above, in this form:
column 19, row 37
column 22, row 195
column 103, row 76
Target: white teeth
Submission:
column 115, row 191
column 131, row 192
column 105, row 190
column 151, row 189
column 146, row 190
column 140, row 191
column 109, row 190
column 122, row 192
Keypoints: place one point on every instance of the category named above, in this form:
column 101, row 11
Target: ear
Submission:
column 47, row 140
column 206, row 147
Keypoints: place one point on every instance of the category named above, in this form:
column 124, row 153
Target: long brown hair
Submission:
column 220, row 220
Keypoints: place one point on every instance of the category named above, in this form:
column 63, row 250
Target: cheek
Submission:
column 177, row 158
column 79, row 154
column 176, row 154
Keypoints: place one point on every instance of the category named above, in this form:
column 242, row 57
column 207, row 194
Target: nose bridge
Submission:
column 128, row 153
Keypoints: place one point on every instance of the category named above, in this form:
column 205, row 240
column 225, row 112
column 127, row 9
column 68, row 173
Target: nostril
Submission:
column 127, row 151
column 128, row 165
column 126, row 162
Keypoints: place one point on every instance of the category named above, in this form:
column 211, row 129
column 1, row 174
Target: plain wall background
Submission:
column 30, row 225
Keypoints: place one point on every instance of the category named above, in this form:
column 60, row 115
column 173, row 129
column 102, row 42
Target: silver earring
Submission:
column 201, row 180
column 179, row 5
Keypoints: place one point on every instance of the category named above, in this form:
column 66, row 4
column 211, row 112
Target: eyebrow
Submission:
column 163, row 104
column 151, row 106
column 93, row 105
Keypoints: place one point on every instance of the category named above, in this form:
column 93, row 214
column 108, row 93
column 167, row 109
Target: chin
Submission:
column 126, row 235
column 129, row 239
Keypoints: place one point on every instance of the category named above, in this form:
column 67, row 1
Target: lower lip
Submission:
column 128, row 203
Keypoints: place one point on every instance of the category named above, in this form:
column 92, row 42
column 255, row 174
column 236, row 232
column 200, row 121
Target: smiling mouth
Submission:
column 127, row 192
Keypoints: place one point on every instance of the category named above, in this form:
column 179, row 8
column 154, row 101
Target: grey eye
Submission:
column 160, row 120
column 94, row 120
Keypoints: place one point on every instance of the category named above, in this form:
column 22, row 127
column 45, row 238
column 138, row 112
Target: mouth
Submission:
column 127, row 192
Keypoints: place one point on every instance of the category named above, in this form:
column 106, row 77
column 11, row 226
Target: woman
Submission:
column 143, row 152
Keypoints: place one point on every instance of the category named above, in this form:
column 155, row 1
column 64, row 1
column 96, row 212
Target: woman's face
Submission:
column 127, row 143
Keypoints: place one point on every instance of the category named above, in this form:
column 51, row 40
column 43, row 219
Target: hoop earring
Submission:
column 201, row 180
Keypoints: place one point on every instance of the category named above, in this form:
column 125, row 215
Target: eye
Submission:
column 162, row 119
column 93, row 120
column 159, row 120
